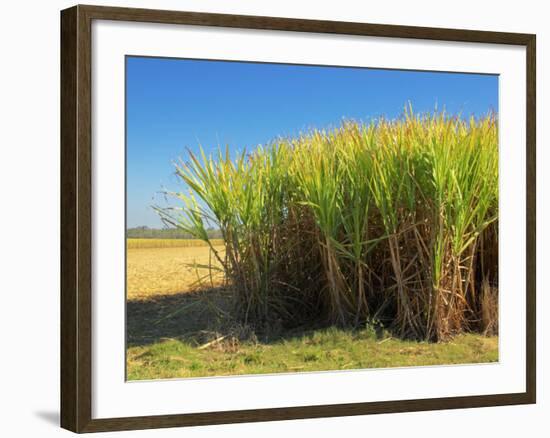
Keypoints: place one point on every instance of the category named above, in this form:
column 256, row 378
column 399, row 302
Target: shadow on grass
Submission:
column 182, row 315
column 198, row 317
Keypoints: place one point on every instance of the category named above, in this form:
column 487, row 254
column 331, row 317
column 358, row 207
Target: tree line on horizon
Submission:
column 145, row 232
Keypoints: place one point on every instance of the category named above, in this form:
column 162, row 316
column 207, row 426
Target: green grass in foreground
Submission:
column 328, row 349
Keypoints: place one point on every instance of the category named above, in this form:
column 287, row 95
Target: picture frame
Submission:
column 78, row 170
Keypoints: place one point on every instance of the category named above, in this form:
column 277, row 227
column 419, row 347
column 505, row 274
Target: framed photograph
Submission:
column 271, row 218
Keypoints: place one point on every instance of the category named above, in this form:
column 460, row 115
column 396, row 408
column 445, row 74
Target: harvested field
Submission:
column 167, row 269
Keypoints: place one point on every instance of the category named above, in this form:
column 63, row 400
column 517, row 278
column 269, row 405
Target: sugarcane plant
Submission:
column 394, row 220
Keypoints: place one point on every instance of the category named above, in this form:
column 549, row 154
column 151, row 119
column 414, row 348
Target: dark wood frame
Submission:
column 76, row 238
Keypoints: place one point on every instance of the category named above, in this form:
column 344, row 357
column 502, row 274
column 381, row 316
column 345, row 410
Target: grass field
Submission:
column 172, row 319
column 326, row 349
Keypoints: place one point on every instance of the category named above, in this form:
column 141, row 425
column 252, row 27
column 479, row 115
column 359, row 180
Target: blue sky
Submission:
column 175, row 104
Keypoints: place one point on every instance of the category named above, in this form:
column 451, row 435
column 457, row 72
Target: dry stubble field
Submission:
column 160, row 267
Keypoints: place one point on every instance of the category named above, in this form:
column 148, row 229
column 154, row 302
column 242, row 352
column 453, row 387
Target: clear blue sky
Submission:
column 175, row 104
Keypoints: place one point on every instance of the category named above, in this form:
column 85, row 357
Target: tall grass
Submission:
column 393, row 220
